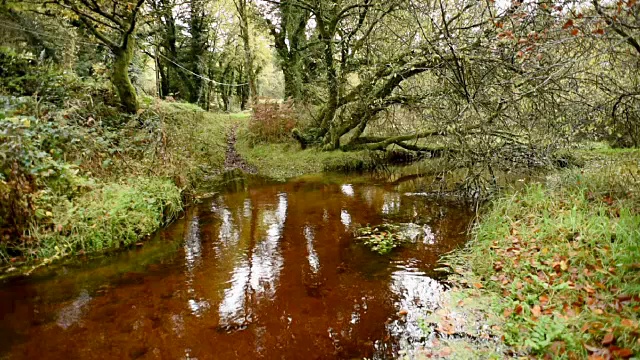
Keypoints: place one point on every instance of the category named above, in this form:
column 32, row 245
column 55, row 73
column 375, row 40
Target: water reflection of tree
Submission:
column 257, row 270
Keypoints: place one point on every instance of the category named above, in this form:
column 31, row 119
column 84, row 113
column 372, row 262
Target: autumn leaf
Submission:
column 477, row 285
column 446, row 328
column 608, row 339
column 622, row 353
column 543, row 299
column 568, row 24
column 536, row 311
column 518, row 309
column 575, row 32
column 629, row 323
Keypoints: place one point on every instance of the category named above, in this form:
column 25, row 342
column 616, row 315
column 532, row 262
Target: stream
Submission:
column 267, row 270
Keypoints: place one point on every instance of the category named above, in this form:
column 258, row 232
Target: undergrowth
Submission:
column 109, row 216
column 564, row 258
column 271, row 122
column 82, row 176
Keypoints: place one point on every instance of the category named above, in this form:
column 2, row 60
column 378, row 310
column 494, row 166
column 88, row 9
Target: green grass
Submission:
column 286, row 160
column 564, row 257
column 110, row 216
column 195, row 145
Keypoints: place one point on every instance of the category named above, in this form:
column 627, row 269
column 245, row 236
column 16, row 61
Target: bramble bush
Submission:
column 272, row 122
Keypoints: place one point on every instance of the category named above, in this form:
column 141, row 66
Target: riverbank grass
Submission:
column 282, row 161
column 110, row 216
column 564, row 257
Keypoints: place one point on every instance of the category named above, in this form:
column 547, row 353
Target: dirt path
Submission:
column 233, row 160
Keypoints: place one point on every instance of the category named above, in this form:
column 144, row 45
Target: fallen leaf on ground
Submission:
column 518, row 309
column 623, row 353
column 536, row 311
column 608, row 339
column 629, row 323
column 446, row 328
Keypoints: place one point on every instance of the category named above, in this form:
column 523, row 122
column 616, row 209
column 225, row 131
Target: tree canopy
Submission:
column 476, row 79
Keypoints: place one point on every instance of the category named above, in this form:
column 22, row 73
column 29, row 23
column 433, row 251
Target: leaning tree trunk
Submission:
column 120, row 78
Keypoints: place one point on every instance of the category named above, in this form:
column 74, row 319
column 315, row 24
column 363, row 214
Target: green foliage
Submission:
column 32, row 158
column 21, row 74
column 109, row 216
column 89, row 178
column 195, row 143
column 382, row 238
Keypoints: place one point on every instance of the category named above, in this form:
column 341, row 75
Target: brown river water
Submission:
column 269, row 271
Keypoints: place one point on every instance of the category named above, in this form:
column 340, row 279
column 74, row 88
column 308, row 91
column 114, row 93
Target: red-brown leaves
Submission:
column 446, row 327
column 497, row 266
column 608, row 352
column 536, row 311
column 628, row 323
column 507, row 312
column 622, row 353
column 568, row 24
column 505, row 35
column 518, row 309
column 608, row 339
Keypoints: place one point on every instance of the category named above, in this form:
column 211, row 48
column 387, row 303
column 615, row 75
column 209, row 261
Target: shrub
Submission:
column 272, row 122
column 110, row 216
column 31, row 153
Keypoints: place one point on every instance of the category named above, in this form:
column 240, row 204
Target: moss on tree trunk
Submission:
column 121, row 81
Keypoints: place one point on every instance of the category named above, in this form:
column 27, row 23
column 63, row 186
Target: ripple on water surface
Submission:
column 271, row 272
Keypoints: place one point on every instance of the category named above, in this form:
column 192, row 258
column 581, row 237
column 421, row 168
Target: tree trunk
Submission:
column 292, row 79
column 332, row 139
column 120, row 78
column 197, row 29
column 241, row 6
